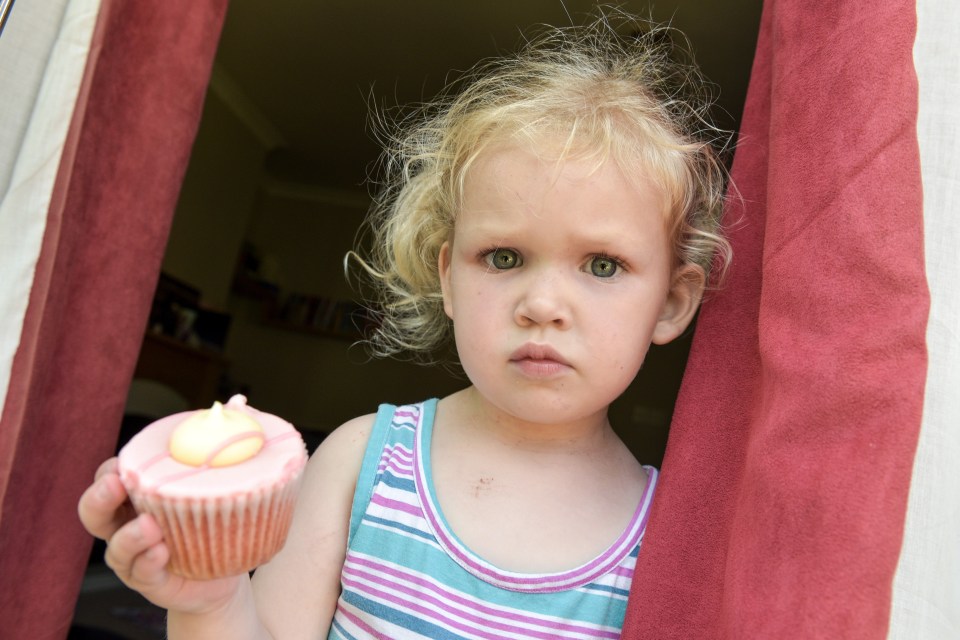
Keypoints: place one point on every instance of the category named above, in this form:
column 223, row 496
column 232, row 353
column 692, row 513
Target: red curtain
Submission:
column 784, row 486
column 113, row 202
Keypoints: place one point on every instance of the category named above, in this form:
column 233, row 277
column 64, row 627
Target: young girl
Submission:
column 559, row 215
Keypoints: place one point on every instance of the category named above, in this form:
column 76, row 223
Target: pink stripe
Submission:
column 428, row 613
column 398, row 466
column 412, row 607
column 398, row 424
column 397, row 470
column 402, row 474
column 398, row 455
column 163, row 455
column 625, row 572
column 360, row 624
column 479, row 606
column 397, row 450
column 232, row 440
column 396, row 505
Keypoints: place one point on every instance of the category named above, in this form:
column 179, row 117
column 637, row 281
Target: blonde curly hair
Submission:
column 607, row 95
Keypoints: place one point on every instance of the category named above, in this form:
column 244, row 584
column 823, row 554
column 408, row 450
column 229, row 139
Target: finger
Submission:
column 103, row 507
column 127, row 546
column 149, row 568
column 108, row 466
column 151, row 565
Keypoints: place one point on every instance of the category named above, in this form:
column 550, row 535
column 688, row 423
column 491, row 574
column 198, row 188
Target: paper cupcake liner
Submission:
column 217, row 537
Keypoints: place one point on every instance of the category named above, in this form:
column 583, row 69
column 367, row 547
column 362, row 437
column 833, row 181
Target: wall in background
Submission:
column 216, row 203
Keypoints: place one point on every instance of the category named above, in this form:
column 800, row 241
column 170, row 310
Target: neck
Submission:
column 470, row 410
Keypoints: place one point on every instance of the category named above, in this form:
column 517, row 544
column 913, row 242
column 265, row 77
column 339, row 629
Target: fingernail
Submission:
column 103, row 492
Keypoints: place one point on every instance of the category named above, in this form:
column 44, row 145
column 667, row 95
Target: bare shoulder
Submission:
column 331, row 474
column 335, row 464
column 346, row 443
column 297, row 591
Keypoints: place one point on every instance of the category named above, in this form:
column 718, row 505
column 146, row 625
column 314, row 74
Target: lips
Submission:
column 539, row 360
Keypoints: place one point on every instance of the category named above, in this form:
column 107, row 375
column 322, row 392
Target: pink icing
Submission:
column 146, row 466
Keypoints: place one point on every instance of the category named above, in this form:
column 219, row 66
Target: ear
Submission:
column 683, row 299
column 443, row 268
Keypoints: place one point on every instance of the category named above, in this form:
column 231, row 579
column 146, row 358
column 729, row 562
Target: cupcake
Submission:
column 220, row 482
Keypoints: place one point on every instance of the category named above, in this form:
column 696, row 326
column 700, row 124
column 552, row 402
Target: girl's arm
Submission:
column 293, row 596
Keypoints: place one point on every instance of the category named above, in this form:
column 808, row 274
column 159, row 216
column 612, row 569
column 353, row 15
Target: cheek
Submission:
column 475, row 349
column 624, row 365
column 626, row 356
column 475, row 296
column 623, row 339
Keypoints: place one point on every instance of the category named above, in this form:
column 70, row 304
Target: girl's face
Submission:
column 557, row 278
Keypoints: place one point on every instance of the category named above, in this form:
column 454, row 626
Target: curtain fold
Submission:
column 110, row 210
column 783, row 491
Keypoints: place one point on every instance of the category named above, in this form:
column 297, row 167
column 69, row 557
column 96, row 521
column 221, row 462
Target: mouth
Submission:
column 539, row 360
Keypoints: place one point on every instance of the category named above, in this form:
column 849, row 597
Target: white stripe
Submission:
column 399, row 495
column 926, row 590
column 408, row 520
column 400, row 456
column 406, row 534
column 405, row 423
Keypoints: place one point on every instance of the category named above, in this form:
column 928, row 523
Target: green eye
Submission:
column 503, row 259
column 603, row 266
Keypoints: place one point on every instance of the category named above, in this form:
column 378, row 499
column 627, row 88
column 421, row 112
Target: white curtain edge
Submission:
column 926, row 588
column 23, row 210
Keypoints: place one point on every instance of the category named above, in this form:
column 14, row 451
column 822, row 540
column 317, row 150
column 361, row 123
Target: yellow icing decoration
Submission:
column 205, row 438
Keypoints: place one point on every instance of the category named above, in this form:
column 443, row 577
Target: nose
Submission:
column 543, row 301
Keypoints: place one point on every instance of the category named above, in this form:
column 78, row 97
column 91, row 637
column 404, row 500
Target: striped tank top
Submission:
column 408, row 577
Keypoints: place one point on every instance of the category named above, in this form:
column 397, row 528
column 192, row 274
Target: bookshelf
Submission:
column 306, row 313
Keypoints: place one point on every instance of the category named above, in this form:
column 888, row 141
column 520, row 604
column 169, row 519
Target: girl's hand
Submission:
column 137, row 554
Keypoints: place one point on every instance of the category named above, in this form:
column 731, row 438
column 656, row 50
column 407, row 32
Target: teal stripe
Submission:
column 393, row 524
column 395, row 482
column 368, row 468
column 607, row 589
column 337, row 632
column 399, row 618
